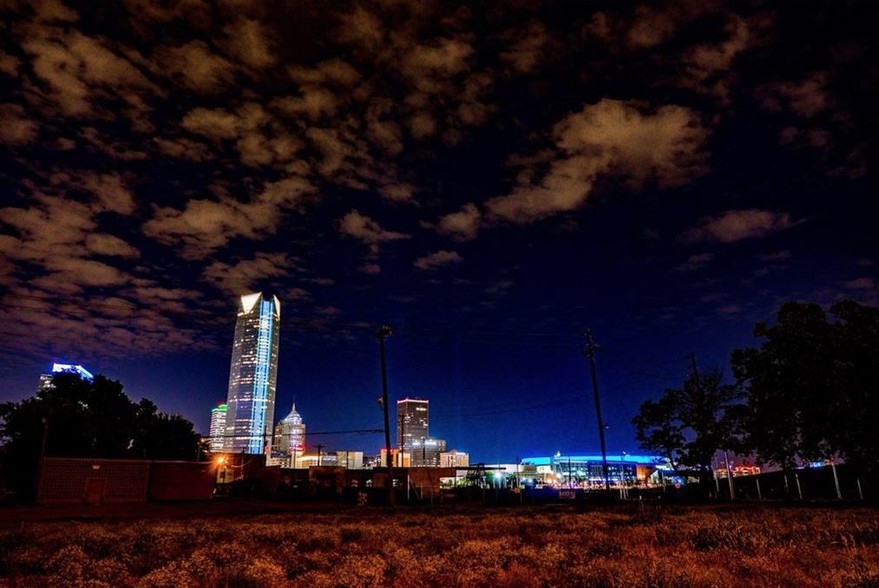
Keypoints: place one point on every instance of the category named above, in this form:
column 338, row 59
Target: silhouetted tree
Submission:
column 688, row 425
column 78, row 418
column 812, row 385
column 159, row 435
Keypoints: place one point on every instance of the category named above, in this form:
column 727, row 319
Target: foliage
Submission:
column 78, row 418
column 811, row 386
column 638, row 545
column 688, row 425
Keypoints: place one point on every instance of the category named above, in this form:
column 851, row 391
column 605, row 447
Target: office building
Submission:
column 454, row 459
column 218, row 427
column 425, row 452
column 290, row 434
column 64, row 368
column 412, row 422
column 253, row 375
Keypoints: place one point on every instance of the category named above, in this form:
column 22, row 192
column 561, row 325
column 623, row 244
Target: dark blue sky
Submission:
column 490, row 180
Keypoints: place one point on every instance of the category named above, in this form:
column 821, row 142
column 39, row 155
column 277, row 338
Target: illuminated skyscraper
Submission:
column 218, row 427
column 253, row 375
column 412, row 421
column 290, row 434
column 64, row 368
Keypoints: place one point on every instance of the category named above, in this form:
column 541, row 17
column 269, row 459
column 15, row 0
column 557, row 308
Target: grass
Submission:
column 624, row 546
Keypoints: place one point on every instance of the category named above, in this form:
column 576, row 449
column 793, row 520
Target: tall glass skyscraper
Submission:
column 253, row 375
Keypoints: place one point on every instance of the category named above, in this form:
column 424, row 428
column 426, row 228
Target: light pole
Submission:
column 383, row 333
column 589, row 351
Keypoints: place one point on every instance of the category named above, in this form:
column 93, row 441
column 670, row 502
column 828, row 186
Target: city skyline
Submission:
column 489, row 180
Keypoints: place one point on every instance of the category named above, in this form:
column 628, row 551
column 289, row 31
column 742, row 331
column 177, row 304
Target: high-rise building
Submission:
column 64, row 368
column 218, row 427
column 412, row 422
column 290, row 434
column 253, row 375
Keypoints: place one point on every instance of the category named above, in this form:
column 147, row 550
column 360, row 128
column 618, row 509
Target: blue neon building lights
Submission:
column 253, row 374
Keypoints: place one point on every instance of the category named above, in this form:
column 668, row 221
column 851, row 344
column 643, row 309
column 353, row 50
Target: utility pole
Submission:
column 320, row 448
column 383, row 333
column 589, row 351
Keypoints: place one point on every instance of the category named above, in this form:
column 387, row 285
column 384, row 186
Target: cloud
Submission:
column 708, row 66
column 206, row 225
column 367, row 230
column 778, row 256
column 863, row 283
column 216, row 124
column 805, row 98
column 737, row 225
column 77, row 68
column 103, row 244
column 462, row 225
column 250, row 42
column 314, row 102
column 248, row 274
column 437, row 260
column 399, row 192
column 444, row 57
column 196, row 67
column 526, row 50
column 370, row 268
column 111, row 190
column 17, row 129
column 146, row 16
column 83, row 272
column 608, row 138
column 695, row 262
column 184, row 149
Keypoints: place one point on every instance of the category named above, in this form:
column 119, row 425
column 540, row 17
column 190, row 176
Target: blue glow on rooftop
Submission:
column 66, row 368
column 594, row 458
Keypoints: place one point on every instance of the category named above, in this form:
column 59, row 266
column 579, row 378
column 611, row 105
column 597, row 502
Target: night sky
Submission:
column 488, row 178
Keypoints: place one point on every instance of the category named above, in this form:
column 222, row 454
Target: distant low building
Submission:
column 454, row 459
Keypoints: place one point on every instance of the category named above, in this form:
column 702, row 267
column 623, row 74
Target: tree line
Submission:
column 74, row 417
column 806, row 393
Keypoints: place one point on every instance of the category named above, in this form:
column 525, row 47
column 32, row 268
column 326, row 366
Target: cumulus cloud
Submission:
column 708, row 66
column 77, row 68
column 437, row 260
column 248, row 274
column 196, row 67
column 17, row 129
column 462, row 225
column 737, row 225
column 805, row 98
column 112, row 191
column 526, row 49
column 203, row 226
column 250, row 42
column 367, row 230
column 103, row 244
column 214, row 123
column 695, row 262
column 608, row 138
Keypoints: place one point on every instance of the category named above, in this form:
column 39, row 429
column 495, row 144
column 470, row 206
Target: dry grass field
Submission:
column 550, row 546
